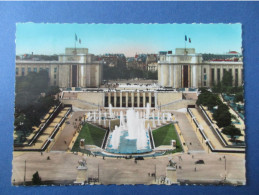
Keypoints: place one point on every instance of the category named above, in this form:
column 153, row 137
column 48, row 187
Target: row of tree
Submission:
column 221, row 112
column 33, row 99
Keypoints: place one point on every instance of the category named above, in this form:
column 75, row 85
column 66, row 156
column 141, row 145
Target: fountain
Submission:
column 130, row 137
column 168, row 116
column 88, row 116
column 158, row 119
column 163, row 118
column 147, row 111
column 100, row 117
column 94, row 117
column 110, row 111
column 153, row 118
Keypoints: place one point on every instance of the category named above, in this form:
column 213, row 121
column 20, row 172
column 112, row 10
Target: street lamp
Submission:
column 24, row 179
column 225, row 167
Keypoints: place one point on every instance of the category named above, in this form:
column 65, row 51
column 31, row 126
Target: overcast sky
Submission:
column 127, row 38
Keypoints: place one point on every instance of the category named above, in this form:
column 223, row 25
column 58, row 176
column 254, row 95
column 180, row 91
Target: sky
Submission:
column 128, row 39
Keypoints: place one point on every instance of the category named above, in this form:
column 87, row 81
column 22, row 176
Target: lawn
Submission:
column 92, row 135
column 164, row 135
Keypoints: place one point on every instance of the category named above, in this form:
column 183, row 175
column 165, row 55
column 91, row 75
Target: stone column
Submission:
column 120, row 99
column 115, row 99
column 138, row 98
column 127, row 99
column 194, row 82
column 109, row 98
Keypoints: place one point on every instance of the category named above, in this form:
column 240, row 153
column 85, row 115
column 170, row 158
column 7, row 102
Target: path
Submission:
column 63, row 140
column 188, row 133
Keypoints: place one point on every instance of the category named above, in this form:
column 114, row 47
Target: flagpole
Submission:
column 75, row 46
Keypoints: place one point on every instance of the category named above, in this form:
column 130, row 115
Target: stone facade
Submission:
column 188, row 70
column 73, row 69
column 124, row 99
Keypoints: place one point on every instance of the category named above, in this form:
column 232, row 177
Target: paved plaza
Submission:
column 62, row 167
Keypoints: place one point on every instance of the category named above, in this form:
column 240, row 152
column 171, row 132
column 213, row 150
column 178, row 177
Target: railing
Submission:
column 207, row 141
column 105, row 138
column 151, row 139
column 49, row 120
column 216, row 131
column 47, row 142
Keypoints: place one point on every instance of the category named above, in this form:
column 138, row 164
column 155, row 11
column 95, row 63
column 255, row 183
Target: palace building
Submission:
column 75, row 68
column 186, row 69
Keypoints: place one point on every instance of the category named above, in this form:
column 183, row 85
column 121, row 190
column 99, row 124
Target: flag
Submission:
column 80, row 41
column 190, row 40
column 185, row 38
column 75, row 37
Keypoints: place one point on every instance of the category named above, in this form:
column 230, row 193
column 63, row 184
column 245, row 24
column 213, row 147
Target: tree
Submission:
column 53, row 90
column 227, row 79
column 224, row 119
column 36, row 180
column 222, row 115
column 239, row 97
column 232, row 131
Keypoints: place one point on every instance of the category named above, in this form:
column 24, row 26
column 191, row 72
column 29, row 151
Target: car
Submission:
column 199, row 162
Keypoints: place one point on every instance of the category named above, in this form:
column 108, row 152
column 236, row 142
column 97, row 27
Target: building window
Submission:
column 129, row 102
column 117, row 101
column 218, row 75
column 55, row 83
column 40, row 69
column 205, row 77
column 35, row 69
column 204, row 83
column 29, row 69
column 55, row 69
column 204, row 70
column 47, row 69
column 17, row 71
column 23, row 71
column 55, row 76
column 212, row 76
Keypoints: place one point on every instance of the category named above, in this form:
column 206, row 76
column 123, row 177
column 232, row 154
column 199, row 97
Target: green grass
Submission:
column 164, row 135
column 92, row 135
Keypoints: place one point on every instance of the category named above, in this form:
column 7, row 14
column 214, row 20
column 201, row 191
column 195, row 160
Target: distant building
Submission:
column 75, row 68
column 152, row 66
column 113, row 60
column 186, row 69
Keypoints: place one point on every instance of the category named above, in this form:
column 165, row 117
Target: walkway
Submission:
column 63, row 140
column 207, row 130
column 188, row 133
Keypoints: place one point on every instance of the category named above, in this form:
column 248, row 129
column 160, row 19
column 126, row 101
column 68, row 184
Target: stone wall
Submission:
column 168, row 97
column 92, row 97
